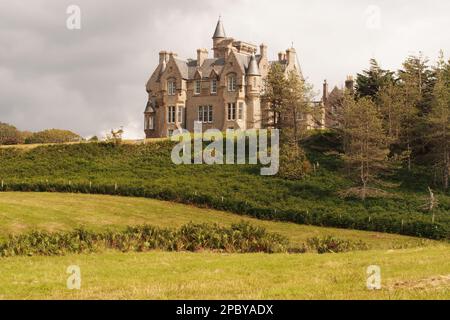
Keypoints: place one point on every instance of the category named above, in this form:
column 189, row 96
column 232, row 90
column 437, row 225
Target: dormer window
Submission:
column 197, row 87
column 213, row 86
column 171, row 87
column 231, row 83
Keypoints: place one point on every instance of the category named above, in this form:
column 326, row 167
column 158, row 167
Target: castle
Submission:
column 222, row 92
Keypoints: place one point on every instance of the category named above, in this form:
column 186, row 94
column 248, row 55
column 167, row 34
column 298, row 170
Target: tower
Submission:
column 219, row 35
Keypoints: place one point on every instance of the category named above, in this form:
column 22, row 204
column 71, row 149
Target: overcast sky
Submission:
column 93, row 79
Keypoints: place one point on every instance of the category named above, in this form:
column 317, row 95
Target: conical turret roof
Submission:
column 253, row 69
column 220, row 31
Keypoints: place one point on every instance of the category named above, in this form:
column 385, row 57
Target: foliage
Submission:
column 241, row 238
column 369, row 82
column 147, row 171
column 293, row 162
column 332, row 244
column 365, row 142
column 53, row 136
column 438, row 119
column 9, row 135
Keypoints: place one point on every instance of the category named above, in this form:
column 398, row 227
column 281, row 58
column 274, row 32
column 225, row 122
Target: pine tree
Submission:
column 369, row 82
column 365, row 143
column 439, row 121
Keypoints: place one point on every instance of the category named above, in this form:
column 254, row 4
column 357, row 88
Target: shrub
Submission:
column 9, row 135
column 332, row 244
column 53, row 136
column 240, row 238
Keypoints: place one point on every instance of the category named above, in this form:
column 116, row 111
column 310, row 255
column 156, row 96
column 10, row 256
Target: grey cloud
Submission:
column 93, row 79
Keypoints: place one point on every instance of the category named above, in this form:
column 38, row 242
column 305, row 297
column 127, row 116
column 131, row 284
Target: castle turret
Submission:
column 219, row 36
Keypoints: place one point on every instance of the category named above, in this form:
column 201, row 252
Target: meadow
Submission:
column 405, row 274
column 411, row 268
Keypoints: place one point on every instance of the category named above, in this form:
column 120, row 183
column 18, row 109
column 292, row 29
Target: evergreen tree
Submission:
column 365, row 143
column 369, row 82
column 439, row 122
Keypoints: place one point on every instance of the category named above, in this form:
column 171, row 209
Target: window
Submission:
column 210, row 114
column 149, row 123
column 180, row 114
column 171, row 114
column 231, row 83
column 171, row 87
column 231, row 114
column 241, row 111
column 214, row 86
column 198, row 87
column 205, row 114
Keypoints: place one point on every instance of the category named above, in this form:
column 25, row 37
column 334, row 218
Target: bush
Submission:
column 332, row 244
column 53, row 136
column 242, row 238
column 9, row 135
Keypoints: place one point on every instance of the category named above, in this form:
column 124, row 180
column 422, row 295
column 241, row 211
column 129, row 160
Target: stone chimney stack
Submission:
column 349, row 84
column 202, row 55
column 163, row 56
column 325, row 91
column 263, row 51
column 291, row 55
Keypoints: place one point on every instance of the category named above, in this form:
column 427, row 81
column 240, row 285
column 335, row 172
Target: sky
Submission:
column 92, row 79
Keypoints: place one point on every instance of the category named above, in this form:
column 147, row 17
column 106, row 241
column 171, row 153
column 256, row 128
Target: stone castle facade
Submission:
column 222, row 91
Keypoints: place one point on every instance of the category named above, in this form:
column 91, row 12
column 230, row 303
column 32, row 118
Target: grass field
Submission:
column 405, row 274
column 420, row 272
column 22, row 212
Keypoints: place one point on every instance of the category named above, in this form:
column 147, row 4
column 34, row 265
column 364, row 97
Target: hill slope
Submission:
column 22, row 212
column 147, row 171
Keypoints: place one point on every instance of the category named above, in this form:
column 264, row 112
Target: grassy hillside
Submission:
column 23, row 212
column 147, row 171
column 405, row 274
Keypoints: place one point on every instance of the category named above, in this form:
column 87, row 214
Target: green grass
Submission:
column 24, row 212
column 147, row 171
column 406, row 274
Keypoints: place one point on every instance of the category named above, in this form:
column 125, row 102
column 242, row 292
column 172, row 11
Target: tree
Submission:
column 275, row 94
column 439, row 122
column 9, row 134
column 390, row 103
column 293, row 162
column 369, row 82
column 415, row 78
column 288, row 99
column 365, row 143
column 53, row 136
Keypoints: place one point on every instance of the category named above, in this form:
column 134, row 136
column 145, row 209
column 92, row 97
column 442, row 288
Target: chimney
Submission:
column 325, row 91
column 281, row 56
column 290, row 55
column 163, row 56
column 263, row 50
column 349, row 83
column 202, row 55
